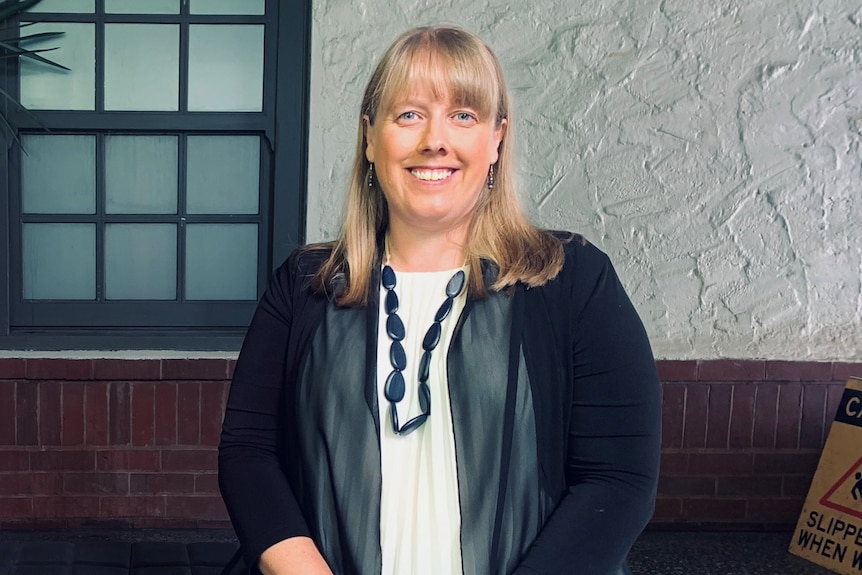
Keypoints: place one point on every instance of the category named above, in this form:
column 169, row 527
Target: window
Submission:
column 152, row 212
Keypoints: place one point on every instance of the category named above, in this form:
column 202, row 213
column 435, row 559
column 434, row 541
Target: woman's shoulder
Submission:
column 578, row 250
column 303, row 263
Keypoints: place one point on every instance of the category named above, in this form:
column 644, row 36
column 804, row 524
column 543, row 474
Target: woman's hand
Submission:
column 297, row 555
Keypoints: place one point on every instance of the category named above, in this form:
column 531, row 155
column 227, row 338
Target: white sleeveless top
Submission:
column 420, row 516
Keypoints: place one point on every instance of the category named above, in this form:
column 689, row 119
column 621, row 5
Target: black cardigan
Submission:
column 587, row 458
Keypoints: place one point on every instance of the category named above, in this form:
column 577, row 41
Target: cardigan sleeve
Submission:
column 255, row 488
column 614, row 430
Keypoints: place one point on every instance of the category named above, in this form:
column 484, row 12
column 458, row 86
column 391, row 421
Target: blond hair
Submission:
column 458, row 62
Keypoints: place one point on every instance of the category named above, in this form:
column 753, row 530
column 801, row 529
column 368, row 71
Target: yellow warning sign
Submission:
column 829, row 530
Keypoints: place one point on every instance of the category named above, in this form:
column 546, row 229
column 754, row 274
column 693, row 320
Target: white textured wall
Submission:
column 712, row 149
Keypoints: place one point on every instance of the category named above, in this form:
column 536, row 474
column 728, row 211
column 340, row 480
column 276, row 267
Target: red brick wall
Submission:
column 116, row 443
column 741, row 439
column 132, row 443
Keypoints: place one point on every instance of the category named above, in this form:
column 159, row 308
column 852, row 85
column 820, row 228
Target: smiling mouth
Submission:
column 431, row 175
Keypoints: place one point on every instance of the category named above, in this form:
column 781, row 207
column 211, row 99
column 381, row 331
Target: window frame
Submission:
column 282, row 196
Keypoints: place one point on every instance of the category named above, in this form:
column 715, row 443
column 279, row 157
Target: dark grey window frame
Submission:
column 283, row 127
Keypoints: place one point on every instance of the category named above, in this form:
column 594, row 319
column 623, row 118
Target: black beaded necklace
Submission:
column 394, row 387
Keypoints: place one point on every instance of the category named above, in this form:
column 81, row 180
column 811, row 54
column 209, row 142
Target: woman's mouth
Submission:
column 431, row 175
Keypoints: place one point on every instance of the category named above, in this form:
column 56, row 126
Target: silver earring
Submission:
column 491, row 177
column 371, row 175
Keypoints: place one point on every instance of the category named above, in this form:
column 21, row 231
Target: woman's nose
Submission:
column 434, row 137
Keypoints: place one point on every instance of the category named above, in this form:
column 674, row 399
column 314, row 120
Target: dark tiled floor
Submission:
column 205, row 552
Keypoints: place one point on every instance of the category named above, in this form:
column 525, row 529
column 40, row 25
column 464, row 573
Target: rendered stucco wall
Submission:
column 712, row 149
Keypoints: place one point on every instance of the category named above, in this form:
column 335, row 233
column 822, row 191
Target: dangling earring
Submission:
column 491, row 177
column 371, row 175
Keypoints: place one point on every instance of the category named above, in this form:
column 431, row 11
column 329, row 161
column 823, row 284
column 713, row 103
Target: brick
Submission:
column 96, row 409
column 195, row 369
column 696, row 405
column 188, row 413
column 207, row 483
column 59, row 506
column 674, row 463
column 189, row 460
column 15, row 507
column 62, row 460
column 127, row 369
column 721, row 463
column 133, row 506
column 789, row 415
column 681, row 486
column 119, row 413
column 786, row 463
column 798, row 371
column 774, row 511
column 143, row 414
column 841, row 372
column 730, row 370
column 714, row 509
column 795, row 486
column 162, row 483
column 96, row 483
column 673, row 370
column 196, row 506
column 765, row 415
column 231, row 367
column 752, row 486
column 30, row 484
column 12, row 368
column 50, row 422
column 718, row 415
column 128, row 460
column 742, row 404
column 165, row 397
column 60, row 369
column 27, row 413
column 667, row 508
column 7, row 412
column 811, row 427
column 14, row 460
column 211, row 411
column 672, row 415
column 73, row 417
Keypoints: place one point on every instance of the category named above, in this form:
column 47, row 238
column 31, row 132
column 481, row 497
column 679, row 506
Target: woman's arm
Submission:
column 614, row 432
column 294, row 556
column 263, row 508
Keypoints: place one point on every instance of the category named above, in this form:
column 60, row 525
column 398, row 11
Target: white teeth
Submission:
column 431, row 175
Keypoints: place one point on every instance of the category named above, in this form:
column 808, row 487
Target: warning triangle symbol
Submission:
column 846, row 495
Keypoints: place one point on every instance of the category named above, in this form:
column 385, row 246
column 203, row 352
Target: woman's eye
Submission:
column 465, row 117
column 408, row 116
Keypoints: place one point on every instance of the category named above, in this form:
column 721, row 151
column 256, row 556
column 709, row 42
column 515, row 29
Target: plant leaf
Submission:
column 31, row 54
column 18, row 105
column 10, row 8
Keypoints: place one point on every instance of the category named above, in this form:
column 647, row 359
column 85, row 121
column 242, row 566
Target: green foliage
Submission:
column 13, row 44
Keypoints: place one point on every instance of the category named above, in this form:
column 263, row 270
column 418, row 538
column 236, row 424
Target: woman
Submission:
column 445, row 388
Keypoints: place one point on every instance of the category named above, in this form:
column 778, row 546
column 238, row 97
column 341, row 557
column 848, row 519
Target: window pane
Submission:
column 141, row 174
column 252, row 7
column 142, row 6
column 46, row 88
column 141, row 261
column 80, row 6
column 59, row 261
column 58, row 174
column 221, row 261
column 225, row 68
column 223, row 174
column 142, row 66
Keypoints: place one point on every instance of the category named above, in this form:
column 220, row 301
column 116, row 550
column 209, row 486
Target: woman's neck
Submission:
column 412, row 252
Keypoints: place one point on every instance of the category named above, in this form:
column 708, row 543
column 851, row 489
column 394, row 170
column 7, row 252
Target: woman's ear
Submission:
column 368, row 132
column 499, row 135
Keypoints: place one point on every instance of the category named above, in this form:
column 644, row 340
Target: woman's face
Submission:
column 431, row 158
